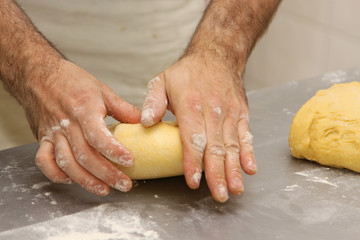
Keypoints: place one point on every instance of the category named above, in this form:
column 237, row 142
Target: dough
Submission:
column 157, row 150
column 327, row 128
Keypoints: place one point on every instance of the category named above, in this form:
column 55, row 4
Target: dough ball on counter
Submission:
column 326, row 129
column 157, row 150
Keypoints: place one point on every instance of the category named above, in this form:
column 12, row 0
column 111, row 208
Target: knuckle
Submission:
column 192, row 98
column 233, row 111
column 62, row 161
column 244, row 115
column 247, row 138
column 82, row 159
column 198, row 141
column 232, row 148
column 88, row 182
column 216, row 151
column 216, row 112
column 40, row 162
column 235, row 170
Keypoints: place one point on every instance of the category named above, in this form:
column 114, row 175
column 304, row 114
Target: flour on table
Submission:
column 40, row 185
column 107, row 221
column 317, row 176
column 335, row 77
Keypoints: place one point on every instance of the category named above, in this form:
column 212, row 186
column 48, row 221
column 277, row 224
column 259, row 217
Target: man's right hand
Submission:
column 67, row 116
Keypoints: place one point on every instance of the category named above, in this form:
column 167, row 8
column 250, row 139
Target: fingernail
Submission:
column 147, row 117
column 68, row 181
column 238, row 185
column 222, row 193
column 124, row 160
column 123, row 185
column 196, row 178
column 101, row 190
column 127, row 160
column 252, row 165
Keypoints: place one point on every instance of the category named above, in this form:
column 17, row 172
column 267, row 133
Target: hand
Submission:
column 210, row 105
column 67, row 116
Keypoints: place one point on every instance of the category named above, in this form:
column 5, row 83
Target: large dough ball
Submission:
column 157, row 150
column 327, row 128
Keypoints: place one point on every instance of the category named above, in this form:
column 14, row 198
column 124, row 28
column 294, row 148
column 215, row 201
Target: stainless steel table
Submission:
column 287, row 199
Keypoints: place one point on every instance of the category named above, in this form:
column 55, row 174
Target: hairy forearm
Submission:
column 229, row 29
column 25, row 55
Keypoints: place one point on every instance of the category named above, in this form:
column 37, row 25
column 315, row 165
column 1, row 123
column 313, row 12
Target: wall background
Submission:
column 306, row 38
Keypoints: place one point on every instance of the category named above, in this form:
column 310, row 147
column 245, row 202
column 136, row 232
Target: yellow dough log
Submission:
column 157, row 150
column 327, row 128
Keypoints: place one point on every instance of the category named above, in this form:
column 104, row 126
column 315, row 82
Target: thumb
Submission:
column 120, row 109
column 155, row 104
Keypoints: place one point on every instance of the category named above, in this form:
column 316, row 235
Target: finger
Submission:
column 155, row 104
column 232, row 159
column 215, row 154
column 247, row 158
column 120, row 109
column 97, row 134
column 66, row 161
column 193, row 139
column 46, row 163
column 96, row 164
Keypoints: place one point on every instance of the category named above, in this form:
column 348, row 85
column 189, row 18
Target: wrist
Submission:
column 216, row 54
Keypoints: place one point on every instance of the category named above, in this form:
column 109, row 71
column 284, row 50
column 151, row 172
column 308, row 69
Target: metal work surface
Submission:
column 287, row 199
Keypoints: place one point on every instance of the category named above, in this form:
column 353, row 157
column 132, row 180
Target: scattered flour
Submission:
column 291, row 188
column 287, row 111
column 310, row 176
column 217, row 110
column 248, row 138
column 107, row 221
column 197, row 176
column 65, row 123
column 147, row 116
column 40, row 185
column 335, row 77
column 199, row 142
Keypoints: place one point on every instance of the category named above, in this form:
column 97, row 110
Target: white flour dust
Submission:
column 287, row 111
column 248, row 138
column 147, row 116
column 335, row 77
column 40, row 185
column 107, row 221
column 199, row 142
column 291, row 188
column 65, row 123
column 311, row 177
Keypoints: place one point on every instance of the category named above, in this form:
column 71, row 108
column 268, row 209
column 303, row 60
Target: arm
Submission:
column 230, row 29
column 65, row 107
column 204, row 89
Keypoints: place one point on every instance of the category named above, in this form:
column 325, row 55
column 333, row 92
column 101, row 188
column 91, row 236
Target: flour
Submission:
column 65, row 123
column 335, row 77
column 153, row 83
column 199, row 142
column 107, row 221
column 287, row 111
column 196, row 177
column 40, row 185
column 147, row 116
column 248, row 138
column 55, row 128
column 218, row 110
column 310, row 176
column 291, row 188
